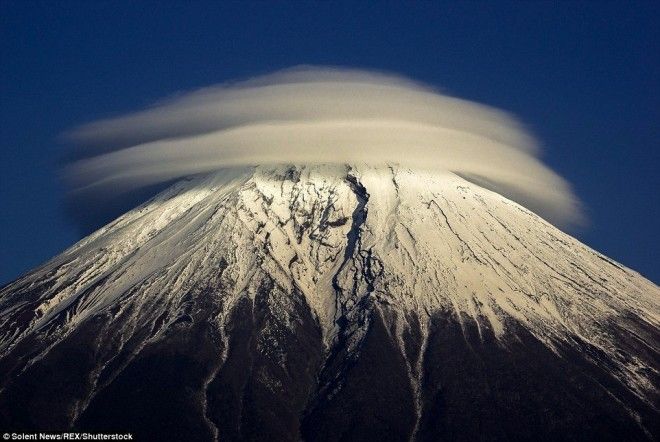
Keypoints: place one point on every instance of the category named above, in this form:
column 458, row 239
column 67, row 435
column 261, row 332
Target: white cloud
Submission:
column 318, row 115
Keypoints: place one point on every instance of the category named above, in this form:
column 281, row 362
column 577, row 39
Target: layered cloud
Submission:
column 317, row 115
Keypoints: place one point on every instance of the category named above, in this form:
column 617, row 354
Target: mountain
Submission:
column 332, row 303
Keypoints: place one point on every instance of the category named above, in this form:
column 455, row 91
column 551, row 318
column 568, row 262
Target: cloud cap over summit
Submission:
column 317, row 115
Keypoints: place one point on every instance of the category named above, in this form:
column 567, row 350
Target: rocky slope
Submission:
column 332, row 303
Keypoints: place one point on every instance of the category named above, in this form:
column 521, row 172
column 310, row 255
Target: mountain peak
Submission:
column 285, row 283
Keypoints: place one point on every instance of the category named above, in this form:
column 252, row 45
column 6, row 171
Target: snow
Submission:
column 417, row 243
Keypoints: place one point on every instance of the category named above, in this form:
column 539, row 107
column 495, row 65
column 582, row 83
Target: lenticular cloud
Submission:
column 318, row 115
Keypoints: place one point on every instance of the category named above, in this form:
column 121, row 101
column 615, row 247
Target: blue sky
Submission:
column 583, row 77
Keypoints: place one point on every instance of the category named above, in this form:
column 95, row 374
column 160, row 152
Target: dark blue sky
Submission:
column 585, row 78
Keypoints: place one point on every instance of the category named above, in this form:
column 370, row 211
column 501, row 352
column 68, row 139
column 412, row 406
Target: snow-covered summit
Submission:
column 327, row 257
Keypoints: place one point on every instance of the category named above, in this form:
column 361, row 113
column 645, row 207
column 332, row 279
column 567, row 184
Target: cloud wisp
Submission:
column 317, row 115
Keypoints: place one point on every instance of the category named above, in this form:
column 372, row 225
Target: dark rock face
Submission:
column 298, row 305
column 476, row 390
column 269, row 372
column 368, row 397
column 472, row 387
